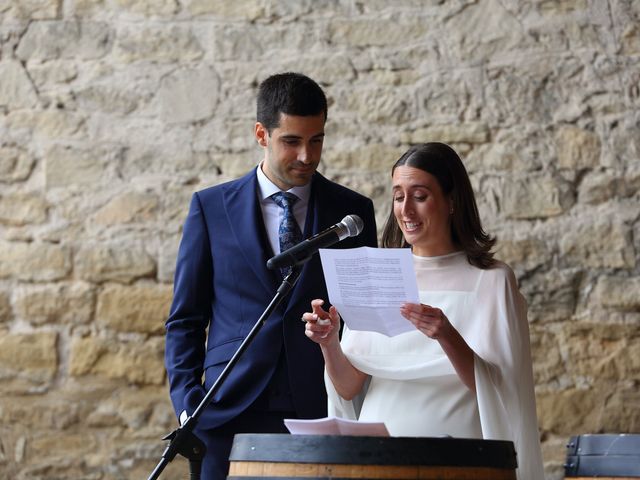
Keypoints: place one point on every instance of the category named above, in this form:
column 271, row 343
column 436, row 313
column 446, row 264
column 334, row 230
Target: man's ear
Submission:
column 262, row 134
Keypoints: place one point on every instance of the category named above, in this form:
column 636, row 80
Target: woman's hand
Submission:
column 321, row 326
column 429, row 320
column 435, row 324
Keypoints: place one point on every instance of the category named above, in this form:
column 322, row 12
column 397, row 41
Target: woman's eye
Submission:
column 420, row 198
column 398, row 199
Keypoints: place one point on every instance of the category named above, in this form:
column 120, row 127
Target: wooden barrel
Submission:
column 605, row 456
column 255, row 456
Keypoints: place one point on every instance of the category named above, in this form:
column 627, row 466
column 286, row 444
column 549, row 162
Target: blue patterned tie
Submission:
column 289, row 231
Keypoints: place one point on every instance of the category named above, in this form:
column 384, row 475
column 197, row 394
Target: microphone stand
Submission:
column 183, row 440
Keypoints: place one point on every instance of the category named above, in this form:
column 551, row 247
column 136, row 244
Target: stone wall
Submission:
column 112, row 112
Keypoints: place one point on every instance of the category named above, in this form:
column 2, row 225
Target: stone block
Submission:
column 16, row 90
column 175, row 206
column 164, row 43
column 34, row 261
column 136, row 362
column 15, row 164
column 551, row 295
column 139, row 308
column 606, row 407
column 54, row 72
column 153, row 9
column 601, row 352
column 49, row 124
column 28, row 360
column 58, row 304
column 464, row 133
column 577, row 148
column 569, row 412
column 376, row 32
column 67, row 166
column 248, row 10
column 62, row 459
column 536, row 196
column 603, row 243
column 620, row 293
column 22, row 209
column 367, row 158
column 631, row 39
column 233, row 136
column 233, row 164
column 520, row 149
column 167, row 258
column 523, row 253
column 324, row 69
column 380, row 105
column 6, row 313
column 128, row 207
column 65, row 39
column 188, row 95
column 13, row 10
column 597, row 187
column 112, row 97
column 501, row 32
column 113, row 262
column 548, row 363
column 145, row 408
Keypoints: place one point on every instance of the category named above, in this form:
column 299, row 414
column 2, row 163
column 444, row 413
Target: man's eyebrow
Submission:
column 291, row 136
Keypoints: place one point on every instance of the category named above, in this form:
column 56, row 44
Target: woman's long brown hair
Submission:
column 441, row 161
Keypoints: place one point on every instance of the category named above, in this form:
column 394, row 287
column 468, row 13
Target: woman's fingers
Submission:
column 429, row 320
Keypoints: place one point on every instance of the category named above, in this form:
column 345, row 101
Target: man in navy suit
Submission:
column 222, row 284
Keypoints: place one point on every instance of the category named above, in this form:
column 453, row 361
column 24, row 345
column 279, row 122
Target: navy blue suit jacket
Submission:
column 222, row 286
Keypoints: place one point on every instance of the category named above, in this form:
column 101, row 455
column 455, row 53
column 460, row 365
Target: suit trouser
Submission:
column 219, row 441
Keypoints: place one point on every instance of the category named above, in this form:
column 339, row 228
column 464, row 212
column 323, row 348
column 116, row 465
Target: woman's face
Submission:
column 422, row 211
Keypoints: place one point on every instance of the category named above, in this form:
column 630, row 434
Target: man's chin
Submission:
column 300, row 180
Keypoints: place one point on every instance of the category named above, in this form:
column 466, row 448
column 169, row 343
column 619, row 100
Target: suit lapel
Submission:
column 318, row 218
column 245, row 218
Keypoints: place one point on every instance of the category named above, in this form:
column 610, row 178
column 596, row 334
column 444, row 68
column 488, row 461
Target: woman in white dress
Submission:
column 466, row 369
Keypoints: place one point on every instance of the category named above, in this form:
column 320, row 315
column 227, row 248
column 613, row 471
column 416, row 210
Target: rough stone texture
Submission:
column 55, row 304
column 137, row 308
column 28, row 362
column 115, row 262
column 112, row 113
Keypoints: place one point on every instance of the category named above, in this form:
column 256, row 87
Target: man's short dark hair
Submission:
column 289, row 93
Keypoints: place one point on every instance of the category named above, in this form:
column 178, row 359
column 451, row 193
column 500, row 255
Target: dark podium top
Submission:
column 259, row 456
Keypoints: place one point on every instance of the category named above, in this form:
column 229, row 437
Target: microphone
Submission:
column 350, row 226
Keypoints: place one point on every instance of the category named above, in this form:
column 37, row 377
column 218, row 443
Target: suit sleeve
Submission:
column 190, row 312
column 370, row 233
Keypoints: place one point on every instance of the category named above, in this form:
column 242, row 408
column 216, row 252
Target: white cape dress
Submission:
column 413, row 387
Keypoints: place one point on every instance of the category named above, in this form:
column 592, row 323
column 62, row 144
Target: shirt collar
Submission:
column 267, row 187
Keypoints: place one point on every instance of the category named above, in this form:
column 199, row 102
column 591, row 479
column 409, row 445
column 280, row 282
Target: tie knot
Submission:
column 284, row 199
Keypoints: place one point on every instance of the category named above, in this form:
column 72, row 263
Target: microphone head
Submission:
column 354, row 225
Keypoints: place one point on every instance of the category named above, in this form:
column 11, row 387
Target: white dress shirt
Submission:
column 272, row 213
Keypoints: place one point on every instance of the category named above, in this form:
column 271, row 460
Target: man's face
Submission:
column 292, row 150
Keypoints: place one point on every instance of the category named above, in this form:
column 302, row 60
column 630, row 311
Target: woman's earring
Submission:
column 451, row 210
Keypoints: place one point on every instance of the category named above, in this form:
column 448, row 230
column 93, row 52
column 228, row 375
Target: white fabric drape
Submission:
column 414, row 388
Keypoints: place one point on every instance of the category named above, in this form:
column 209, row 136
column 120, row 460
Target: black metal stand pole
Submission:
column 182, row 440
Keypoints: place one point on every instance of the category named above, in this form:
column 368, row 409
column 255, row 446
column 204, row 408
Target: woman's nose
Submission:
column 406, row 208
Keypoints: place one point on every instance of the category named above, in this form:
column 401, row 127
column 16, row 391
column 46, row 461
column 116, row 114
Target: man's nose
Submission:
column 304, row 154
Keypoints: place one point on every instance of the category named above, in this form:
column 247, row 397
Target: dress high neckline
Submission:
column 440, row 261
